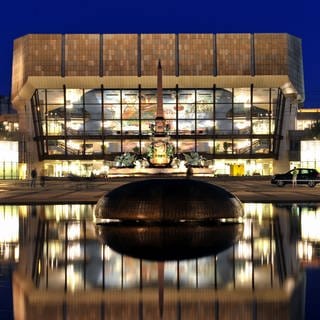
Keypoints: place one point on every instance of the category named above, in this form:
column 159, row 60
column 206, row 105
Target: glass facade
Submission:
column 101, row 123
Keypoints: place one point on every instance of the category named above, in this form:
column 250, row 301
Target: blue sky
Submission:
column 299, row 18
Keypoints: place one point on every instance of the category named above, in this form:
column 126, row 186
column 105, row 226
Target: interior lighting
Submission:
column 247, row 229
column 54, row 252
column 73, row 231
column 258, row 210
column 69, row 105
column 305, row 250
column 245, row 272
column 9, row 228
column 182, row 165
column 310, row 224
column 74, row 278
column 243, row 250
column 106, row 251
column 16, row 253
column 74, row 251
column 74, row 125
column 242, row 124
column 9, row 151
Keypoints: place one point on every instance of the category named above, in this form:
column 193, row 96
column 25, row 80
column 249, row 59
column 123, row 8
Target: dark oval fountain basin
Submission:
column 168, row 200
column 168, row 219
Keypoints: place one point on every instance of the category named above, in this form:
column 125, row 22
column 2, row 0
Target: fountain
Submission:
column 168, row 219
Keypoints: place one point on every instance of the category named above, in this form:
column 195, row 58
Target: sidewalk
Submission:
column 246, row 189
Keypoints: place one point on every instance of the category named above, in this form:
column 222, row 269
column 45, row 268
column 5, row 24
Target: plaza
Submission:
column 247, row 189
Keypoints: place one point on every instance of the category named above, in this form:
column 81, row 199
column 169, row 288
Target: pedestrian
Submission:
column 294, row 177
column 106, row 174
column 189, row 171
column 34, row 175
column 42, row 179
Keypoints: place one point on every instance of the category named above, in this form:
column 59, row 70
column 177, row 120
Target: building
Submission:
column 10, row 166
column 85, row 99
column 305, row 140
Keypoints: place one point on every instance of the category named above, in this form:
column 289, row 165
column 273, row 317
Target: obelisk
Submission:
column 160, row 123
column 160, row 138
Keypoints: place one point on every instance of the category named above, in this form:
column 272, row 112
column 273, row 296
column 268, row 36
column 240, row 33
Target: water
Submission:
column 312, row 291
column 6, row 303
column 61, row 252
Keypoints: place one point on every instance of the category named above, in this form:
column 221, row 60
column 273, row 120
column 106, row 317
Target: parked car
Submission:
column 311, row 177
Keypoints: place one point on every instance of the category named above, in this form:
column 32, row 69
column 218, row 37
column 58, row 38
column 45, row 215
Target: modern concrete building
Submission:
column 84, row 99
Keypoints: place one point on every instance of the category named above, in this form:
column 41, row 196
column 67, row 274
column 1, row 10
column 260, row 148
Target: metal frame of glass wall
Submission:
column 219, row 123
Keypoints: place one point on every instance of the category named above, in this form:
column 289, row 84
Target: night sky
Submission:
column 299, row 18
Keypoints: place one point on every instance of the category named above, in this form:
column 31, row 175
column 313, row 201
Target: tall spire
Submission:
column 160, row 122
column 159, row 93
column 160, row 156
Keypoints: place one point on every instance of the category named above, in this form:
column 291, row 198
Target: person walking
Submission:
column 34, row 175
column 294, row 177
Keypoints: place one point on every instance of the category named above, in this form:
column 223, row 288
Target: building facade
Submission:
column 85, row 99
column 10, row 166
column 305, row 140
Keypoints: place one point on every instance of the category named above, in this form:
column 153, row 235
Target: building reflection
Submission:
column 9, row 232
column 65, row 270
column 307, row 226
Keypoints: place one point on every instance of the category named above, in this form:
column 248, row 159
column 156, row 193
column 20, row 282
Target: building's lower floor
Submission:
column 102, row 168
column 232, row 167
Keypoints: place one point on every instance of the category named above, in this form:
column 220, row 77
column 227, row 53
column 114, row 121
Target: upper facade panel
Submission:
column 271, row 54
column 35, row 55
column 119, row 55
column 234, row 54
column 155, row 47
column 127, row 60
column 196, row 54
column 80, row 55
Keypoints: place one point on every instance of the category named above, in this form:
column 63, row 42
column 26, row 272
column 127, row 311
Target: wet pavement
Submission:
column 247, row 189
